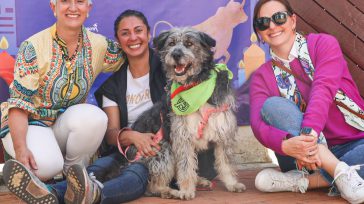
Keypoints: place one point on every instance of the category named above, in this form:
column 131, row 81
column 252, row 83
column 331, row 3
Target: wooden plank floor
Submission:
column 220, row 196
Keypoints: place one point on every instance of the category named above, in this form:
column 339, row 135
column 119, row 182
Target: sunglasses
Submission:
column 278, row 18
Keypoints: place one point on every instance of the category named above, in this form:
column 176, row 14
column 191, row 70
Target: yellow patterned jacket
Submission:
column 44, row 87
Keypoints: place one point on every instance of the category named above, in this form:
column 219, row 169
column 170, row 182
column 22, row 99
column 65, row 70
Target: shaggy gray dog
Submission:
column 187, row 58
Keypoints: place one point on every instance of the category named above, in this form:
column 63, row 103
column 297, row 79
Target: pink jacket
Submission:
column 331, row 74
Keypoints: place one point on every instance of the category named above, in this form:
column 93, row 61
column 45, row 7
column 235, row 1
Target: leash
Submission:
column 157, row 138
column 205, row 117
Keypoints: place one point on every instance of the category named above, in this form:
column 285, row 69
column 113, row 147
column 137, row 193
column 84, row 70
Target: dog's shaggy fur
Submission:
column 162, row 166
column 187, row 58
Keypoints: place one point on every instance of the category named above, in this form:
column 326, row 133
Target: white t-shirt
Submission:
column 138, row 97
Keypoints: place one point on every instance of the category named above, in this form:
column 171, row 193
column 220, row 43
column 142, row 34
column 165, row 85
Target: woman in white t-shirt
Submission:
column 124, row 96
column 135, row 87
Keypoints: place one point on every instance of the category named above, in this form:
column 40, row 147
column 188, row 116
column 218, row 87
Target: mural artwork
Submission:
column 227, row 21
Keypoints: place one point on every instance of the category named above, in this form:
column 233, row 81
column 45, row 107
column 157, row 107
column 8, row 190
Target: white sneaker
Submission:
column 271, row 180
column 349, row 183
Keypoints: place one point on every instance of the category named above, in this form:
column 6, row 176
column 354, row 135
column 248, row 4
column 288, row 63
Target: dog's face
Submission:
column 185, row 53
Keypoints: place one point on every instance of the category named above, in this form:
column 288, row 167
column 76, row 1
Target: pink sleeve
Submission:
column 269, row 136
column 329, row 65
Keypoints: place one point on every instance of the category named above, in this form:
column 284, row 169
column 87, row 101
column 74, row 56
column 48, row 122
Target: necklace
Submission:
column 65, row 53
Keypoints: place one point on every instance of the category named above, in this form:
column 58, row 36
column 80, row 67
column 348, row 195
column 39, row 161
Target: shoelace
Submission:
column 333, row 192
column 94, row 180
column 304, row 172
column 301, row 185
column 350, row 172
column 297, row 185
column 301, row 182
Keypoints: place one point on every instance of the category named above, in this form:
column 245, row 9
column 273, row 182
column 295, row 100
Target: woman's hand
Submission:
column 302, row 148
column 25, row 156
column 18, row 125
column 143, row 142
column 314, row 165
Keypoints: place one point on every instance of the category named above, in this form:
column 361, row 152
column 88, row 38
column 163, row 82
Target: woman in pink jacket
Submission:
column 306, row 107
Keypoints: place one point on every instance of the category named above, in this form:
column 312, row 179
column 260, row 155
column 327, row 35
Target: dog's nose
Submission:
column 177, row 54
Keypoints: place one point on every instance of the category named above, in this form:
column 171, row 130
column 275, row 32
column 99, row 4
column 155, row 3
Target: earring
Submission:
column 87, row 15
column 55, row 15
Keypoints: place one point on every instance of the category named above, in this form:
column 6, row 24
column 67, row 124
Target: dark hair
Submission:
column 259, row 5
column 129, row 13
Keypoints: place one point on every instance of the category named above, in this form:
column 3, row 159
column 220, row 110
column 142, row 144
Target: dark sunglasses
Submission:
column 278, row 18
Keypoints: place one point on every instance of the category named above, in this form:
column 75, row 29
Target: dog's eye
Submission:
column 171, row 44
column 189, row 44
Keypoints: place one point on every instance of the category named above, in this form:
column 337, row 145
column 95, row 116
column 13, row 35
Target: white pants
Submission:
column 73, row 139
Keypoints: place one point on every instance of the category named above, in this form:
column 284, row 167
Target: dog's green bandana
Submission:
column 186, row 99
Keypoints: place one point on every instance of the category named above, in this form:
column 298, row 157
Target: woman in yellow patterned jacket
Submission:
column 46, row 125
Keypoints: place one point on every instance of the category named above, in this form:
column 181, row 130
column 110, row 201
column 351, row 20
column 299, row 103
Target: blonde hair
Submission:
column 55, row 1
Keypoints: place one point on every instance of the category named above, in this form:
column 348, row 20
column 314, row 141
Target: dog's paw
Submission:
column 152, row 194
column 237, row 187
column 204, row 184
column 167, row 195
column 183, row 195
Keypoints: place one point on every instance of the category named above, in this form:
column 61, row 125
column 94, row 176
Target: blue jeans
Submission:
column 283, row 114
column 206, row 161
column 129, row 184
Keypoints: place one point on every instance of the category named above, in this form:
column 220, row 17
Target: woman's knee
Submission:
column 86, row 125
column 48, row 169
column 283, row 114
column 46, row 152
column 87, row 116
column 272, row 104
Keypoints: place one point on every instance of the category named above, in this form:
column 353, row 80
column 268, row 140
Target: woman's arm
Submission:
column 113, row 125
column 267, row 135
column 329, row 66
column 18, row 125
column 20, row 104
column 271, row 137
column 142, row 141
column 114, row 56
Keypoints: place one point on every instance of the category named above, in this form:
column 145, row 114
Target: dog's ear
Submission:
column 208, row 40
column 160, row 40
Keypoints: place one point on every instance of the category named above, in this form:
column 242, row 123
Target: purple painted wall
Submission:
column 228, row 21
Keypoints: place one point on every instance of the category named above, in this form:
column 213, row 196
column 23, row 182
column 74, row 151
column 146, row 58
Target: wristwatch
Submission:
column 306, row 131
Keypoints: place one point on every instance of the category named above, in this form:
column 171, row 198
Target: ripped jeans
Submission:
column 283, row 114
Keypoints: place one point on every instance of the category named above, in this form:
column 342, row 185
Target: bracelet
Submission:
column 118, row 142
column 121, row 131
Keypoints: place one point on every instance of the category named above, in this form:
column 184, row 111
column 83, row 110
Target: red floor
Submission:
column 220, row 196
